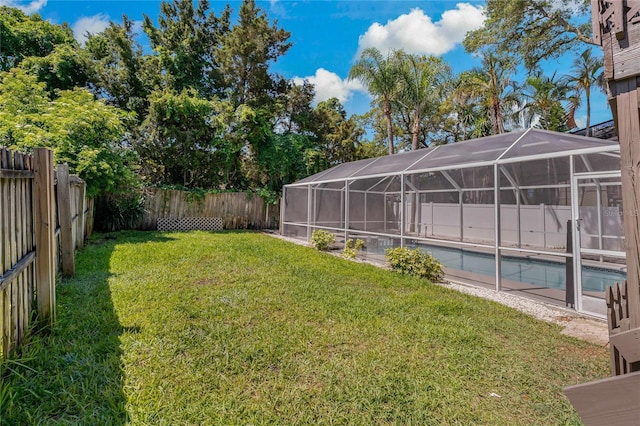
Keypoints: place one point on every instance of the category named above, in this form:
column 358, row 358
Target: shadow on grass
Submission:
column 74, row 374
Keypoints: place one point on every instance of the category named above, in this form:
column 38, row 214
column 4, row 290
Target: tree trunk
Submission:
column 588, row 129
column 415, row 133
column 387, row 113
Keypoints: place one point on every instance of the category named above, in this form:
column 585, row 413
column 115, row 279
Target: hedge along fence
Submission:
column 41, row 224
column 238, row 210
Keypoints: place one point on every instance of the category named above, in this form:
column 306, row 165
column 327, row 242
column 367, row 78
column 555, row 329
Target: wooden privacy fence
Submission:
column 31, row 245
column 237, row 210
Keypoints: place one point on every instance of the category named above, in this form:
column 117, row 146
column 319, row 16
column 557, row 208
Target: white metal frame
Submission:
column 578, row 250
column 498, row 169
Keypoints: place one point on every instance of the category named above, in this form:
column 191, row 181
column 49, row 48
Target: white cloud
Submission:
column 416, row 32
column 28, row 8
column 329, row 85
column 89, row 24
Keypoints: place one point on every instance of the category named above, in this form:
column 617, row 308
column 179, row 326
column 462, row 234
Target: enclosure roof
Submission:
column 523, row 145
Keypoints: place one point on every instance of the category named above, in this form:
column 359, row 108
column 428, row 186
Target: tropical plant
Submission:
column 351, row 248
column 379, row 74
column 322, row 239
column 422, row 79
column 494, row 90
column 586, row 73
column 415, row 262
column 545, row 97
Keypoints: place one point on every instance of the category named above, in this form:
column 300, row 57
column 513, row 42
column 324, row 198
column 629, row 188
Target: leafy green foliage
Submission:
column 245, row 54
column 185, row 41
column 182, row 141
column 414, row 262
column 322, row 239
column 380, row 75
column 65, row 68
column 532, row 30
column 81, row 131
column 122, row 74
column 351, row 248
column 22, row 36
column 119, row 212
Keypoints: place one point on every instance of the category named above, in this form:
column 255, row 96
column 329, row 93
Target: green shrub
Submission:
column 322, row 239
column 352, row 248
column 115, row 212
column 415, row 262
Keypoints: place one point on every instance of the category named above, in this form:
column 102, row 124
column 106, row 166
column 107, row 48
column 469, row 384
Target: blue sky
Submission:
column 327, row 35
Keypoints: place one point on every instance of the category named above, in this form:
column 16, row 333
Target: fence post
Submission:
column 65, row 220
column 82, row 220
column 45, row 235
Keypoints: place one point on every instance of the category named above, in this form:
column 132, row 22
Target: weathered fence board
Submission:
column 238, row 210
column 29, row 215
column 16, row 248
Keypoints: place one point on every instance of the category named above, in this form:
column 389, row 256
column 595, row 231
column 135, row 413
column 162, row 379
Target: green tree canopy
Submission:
column 185, row 41
column 532, row 30
column 246, row 53
column 184, row 141
column 85, row 133
column 380, row 76
column 22, row 36
column 122, row 74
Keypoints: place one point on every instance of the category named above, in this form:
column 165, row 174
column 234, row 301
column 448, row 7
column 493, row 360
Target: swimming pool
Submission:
column 533, row 271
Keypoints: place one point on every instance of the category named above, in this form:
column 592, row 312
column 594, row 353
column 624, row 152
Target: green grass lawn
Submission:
column 242, row 328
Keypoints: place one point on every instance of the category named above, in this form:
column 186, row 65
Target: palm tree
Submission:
column 586, row 73
column 491, row 84
column 420, row 95
column 545, row 101
column 379, row 75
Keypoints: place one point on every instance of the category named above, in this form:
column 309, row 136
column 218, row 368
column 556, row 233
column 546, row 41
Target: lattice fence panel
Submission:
column 190, row 224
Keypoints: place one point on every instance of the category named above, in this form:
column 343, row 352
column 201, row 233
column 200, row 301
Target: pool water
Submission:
column 537, row 272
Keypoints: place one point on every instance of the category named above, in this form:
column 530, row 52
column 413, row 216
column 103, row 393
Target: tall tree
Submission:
column 422, row 90
column 532, row 29
column 121, row 76
column 462, row 113
column 22, row 36
column 491, row 84
column 586, row 73
column 545, row 98
column 182, row 141
column 65, row 68
column 338, row 136
column 246, row 53
column 380, row 76
column 186, row 40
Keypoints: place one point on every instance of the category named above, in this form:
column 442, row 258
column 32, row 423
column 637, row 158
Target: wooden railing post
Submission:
column 45, row 235
column 81, row 226
column 65, row 220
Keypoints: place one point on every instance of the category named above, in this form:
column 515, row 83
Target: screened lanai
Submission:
column 492, row 207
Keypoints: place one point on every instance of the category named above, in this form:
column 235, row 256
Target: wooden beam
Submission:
column 629, row 136
column 17, row 269
column 628, row 344
column 65, row 221
column 16, row 174
column 611, row 401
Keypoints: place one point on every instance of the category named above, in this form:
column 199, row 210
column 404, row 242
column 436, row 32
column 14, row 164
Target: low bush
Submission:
column 116, row 212
column 322, row 239
column 415, row 262
column 351, row 248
